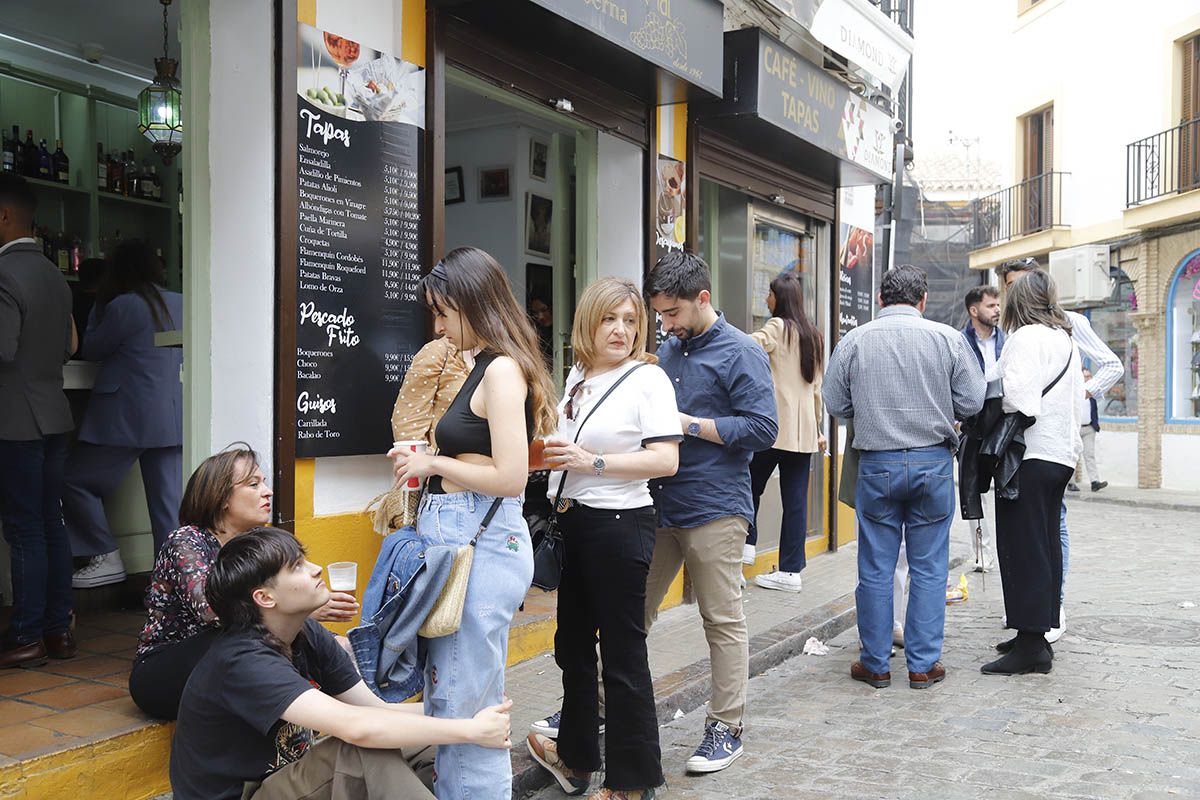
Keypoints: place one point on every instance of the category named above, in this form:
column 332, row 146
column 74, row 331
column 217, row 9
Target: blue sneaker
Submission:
column 720, row 748
column 548, row 727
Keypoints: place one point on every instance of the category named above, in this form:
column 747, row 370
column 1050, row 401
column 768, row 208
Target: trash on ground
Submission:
column 815, row 647
column 957, row 594
column 678, row 714
column 1187, row 604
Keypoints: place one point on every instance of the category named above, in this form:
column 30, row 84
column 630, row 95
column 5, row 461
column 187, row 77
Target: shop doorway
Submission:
column 511, row 189
column 748, row 242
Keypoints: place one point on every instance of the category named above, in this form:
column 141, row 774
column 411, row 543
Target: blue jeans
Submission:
column 1066, row 546
column 31, row 485
column 793, row 491
column 464, row 672
column 909, row 495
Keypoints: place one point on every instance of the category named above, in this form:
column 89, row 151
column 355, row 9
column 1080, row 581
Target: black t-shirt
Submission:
column 229, row 731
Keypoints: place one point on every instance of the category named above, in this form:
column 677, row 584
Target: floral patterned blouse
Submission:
column 175, row 599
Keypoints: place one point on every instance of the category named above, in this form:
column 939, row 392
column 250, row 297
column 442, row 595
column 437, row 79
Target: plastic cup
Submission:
column 537, row 455
column 416, row 446
column 343, row 577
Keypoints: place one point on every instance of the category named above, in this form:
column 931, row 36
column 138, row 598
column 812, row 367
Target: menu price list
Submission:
column 359, row 319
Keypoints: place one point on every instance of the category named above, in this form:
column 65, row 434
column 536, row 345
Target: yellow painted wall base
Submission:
column 132, row 766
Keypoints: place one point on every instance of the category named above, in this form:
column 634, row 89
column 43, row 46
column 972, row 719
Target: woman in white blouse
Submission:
column 608, row 531
column 1042, row 379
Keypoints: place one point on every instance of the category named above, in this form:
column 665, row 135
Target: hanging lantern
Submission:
column 160, row 105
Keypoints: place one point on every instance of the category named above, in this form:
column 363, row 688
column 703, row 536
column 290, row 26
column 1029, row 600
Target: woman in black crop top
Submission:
column 484, row 439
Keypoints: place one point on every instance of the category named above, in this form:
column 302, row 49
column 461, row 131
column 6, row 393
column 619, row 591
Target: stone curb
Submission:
column 1159, row 505
column 688, row 688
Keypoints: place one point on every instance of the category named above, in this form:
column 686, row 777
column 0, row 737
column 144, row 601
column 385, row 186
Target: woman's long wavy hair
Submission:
column 789, row 307
column 244, row 564
column 133, row 268
column 1033, row 300
column 472, row 283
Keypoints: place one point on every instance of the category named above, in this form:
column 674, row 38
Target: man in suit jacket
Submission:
column 36, row 339
column 986, row 337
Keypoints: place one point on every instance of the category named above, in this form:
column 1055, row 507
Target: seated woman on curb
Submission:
column 226, row 496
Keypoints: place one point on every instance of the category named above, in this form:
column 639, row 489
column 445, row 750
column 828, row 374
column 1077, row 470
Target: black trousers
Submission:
column 607, row 558
column 157, row 679
column 1029, row 547
column 793, row 490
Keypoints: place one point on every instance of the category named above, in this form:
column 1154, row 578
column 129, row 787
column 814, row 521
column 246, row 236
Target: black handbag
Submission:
column 548, row 550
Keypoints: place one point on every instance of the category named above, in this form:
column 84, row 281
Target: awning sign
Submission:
column 866, row 36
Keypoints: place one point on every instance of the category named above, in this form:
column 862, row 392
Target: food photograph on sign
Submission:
column 347, row 79
column 669, row 222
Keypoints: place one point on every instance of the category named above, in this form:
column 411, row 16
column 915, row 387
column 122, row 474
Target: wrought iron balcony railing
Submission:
column 1032, row 205
column 1162, row 164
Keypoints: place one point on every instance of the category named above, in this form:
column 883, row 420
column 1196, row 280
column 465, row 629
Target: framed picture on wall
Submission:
column 454, row 186
column 495, row 183
column 539, row 301
column 538, row 214
column 539, row 158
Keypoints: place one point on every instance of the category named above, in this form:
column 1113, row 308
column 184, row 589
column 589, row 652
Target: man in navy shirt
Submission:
column 726, row 400
column 249, row 712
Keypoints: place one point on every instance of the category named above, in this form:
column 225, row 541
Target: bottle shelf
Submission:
column 56, row 186
column 120, row 198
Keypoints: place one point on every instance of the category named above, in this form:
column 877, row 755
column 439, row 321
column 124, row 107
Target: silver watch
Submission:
column 599, row 465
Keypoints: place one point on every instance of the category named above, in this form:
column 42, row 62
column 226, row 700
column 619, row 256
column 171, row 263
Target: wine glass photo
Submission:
column 344, row 53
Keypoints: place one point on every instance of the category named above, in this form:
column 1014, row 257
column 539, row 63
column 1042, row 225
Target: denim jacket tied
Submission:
column 408, row 577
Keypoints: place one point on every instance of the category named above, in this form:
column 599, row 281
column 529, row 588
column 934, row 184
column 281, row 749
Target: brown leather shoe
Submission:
column 24, row 656
column 880, row 680
column 923, row 680
column 60, row 645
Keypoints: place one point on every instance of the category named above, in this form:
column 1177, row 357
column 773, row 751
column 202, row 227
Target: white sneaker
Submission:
column 102, row 570
column 1054, row 634
column 783, row 581
column 748, row 554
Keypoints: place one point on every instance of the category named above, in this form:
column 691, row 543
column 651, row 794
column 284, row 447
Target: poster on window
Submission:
column 360, row 116
column 856, row 257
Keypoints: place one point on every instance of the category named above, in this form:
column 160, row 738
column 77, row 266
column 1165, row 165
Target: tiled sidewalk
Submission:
column 75, row 701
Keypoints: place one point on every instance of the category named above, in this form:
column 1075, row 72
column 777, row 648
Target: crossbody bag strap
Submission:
column 487, row 519
column 1066, row 366
column 563, row 480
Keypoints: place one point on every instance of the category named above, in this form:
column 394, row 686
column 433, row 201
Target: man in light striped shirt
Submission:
column 1106, row 371
column 904, row 380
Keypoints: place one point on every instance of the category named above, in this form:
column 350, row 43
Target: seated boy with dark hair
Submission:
column 273, row 677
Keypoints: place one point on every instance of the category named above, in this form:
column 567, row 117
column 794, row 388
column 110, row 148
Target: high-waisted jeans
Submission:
column 464, row 672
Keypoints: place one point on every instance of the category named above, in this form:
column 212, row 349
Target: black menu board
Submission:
column 358, row 318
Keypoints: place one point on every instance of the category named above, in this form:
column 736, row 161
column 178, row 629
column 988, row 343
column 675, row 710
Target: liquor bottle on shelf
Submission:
column 129, row 169
column 101, row 168
column 62, row 253
column 116, row 174
column 148, row 179
column 61, row 163
column 9, row 156
column 45, row 163
column 29, row 155
column 156, row 183
column 18, row 156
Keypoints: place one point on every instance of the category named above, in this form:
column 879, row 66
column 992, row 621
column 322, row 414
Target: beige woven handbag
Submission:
column 446, row 615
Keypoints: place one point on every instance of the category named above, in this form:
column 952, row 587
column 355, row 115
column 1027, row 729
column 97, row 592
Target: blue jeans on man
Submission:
column 903, row 495
column 31, row 484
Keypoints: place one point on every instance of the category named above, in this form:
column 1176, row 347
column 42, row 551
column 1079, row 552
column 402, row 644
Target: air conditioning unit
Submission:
column 1081, row 274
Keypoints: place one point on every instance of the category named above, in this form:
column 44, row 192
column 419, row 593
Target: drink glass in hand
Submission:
column 413, row 446
column 343, row 577
column 537, row 454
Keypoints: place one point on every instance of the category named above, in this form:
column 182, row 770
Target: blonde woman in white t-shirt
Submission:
column 1042, row 379
column 608, row 532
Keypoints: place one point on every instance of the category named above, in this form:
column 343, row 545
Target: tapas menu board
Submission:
column 359, row 321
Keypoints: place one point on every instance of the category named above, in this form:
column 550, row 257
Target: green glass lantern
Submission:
column 160, row 105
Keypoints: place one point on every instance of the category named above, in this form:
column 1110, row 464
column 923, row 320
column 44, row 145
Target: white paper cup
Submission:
column 414, row 446
column 343, row 577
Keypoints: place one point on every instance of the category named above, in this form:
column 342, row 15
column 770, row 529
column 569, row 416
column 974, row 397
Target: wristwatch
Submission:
column 693, row 428
column 599, row 465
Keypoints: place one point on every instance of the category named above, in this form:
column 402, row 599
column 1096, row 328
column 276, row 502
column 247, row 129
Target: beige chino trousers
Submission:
column 335, row 770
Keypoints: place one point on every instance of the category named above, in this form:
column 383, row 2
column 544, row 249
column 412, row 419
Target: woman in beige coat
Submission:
column 796, row 349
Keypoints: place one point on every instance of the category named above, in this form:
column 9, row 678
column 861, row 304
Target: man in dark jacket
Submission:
column 986, row 337
column 36, row 339
column 983, row 331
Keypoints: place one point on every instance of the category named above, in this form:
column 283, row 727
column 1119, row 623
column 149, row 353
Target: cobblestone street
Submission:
column 1119, row 717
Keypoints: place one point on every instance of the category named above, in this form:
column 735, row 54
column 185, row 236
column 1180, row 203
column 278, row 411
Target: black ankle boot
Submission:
column 1029, row 653
column 1007, row 645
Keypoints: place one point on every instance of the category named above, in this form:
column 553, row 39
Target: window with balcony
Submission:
column 1169, row 162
